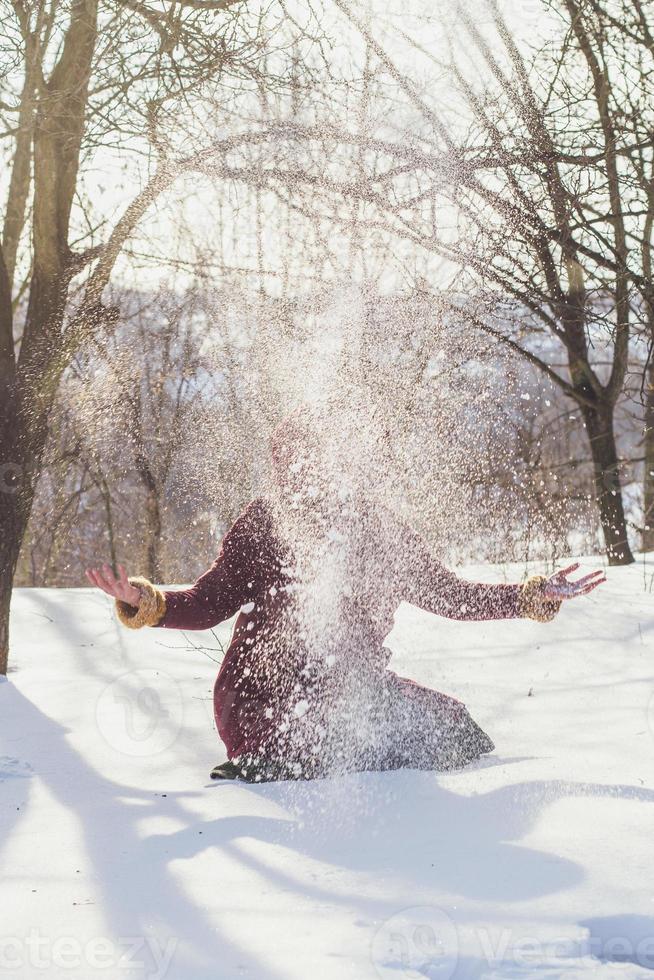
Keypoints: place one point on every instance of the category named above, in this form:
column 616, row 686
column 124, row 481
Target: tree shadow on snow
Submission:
column 403, row 829
column 406, row 825
column 140, row 896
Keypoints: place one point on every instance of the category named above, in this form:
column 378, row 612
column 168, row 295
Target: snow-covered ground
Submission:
column 120, row 859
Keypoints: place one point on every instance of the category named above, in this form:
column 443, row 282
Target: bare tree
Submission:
column 627, row 29
column 550, row 186
column 138, row 393
column 83, row 78
column 152, row 442
column 545, row 185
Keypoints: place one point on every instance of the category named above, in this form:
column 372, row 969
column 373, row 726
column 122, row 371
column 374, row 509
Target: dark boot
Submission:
column 227, row 770
column 253, row 769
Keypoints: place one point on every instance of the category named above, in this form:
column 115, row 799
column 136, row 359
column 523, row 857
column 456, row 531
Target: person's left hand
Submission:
column 558, row 587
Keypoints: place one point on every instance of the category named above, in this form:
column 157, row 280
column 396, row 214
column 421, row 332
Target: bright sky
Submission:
column 221, row 219
column 226, row 226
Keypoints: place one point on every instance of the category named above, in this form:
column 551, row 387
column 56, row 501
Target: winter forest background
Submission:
column 215, row 210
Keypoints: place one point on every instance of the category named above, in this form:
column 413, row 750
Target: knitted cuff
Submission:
column 533, row 604
column 150, row 610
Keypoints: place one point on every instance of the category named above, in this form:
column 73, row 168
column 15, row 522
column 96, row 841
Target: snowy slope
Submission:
column 119, row 858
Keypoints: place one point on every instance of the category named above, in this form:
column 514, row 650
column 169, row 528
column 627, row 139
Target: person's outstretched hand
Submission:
column 119, row 587
column 558, row 587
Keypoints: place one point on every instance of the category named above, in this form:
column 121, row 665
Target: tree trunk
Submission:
column 12, row 530
column 599, row 425
column 648, row 479
column 153, row 526
column 6, row 578
column 106, row 495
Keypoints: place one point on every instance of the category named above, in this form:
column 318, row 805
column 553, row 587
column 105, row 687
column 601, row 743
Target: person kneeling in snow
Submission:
column 315, row 572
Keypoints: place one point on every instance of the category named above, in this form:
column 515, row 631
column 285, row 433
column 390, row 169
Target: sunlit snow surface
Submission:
column 119, row 858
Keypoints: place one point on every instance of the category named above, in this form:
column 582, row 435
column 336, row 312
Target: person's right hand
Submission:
column 119, row 587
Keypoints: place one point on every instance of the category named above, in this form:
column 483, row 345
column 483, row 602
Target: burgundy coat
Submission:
column 269, row 675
